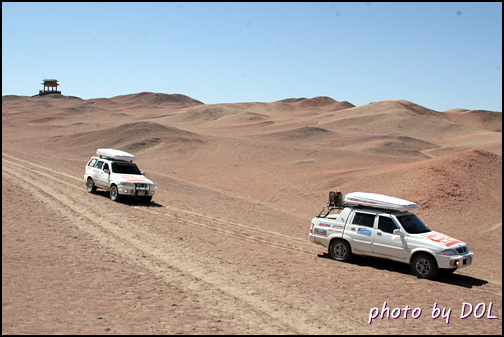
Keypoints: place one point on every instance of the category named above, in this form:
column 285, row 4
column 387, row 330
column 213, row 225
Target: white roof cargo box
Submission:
column 115, row 154
column 379, row 201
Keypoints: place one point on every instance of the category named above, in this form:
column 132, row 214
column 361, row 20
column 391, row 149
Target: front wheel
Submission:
column 114, row 193
column 340, row 250
column 424, row 266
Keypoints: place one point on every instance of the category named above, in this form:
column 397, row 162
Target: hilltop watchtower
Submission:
column 50, row 87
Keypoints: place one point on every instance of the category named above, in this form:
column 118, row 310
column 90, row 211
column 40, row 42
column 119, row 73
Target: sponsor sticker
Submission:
column 443, row 239
column 320, row 231
column 364, row 231
column 129, row 177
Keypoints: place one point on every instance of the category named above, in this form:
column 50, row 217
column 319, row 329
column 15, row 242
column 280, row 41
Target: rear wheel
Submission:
column 91, row 188
column 424, row 266
column 340, row 250
column 114, row 193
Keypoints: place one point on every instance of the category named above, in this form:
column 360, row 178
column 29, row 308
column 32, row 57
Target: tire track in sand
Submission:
column 260, row 303
column 238, row 230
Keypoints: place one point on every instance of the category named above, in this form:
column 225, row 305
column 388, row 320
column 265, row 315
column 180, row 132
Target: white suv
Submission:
column 354, row 227
column 114, row 171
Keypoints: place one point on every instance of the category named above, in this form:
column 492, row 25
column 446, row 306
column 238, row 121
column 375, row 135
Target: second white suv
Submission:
column 114, row 171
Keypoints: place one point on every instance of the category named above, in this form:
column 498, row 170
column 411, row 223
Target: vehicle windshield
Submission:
column 128, row 168
column 412, row 224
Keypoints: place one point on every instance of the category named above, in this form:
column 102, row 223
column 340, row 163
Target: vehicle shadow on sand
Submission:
column 402, row 268
column 128, row 201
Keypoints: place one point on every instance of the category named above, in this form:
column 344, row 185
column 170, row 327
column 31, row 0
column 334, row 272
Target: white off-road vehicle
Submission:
column 382, row 226
column 114, row 171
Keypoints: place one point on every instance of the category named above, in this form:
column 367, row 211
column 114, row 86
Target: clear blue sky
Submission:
column 439, row 55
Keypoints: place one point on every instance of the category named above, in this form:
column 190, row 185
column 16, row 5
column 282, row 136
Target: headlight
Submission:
column 153, row 186
column 449, row 252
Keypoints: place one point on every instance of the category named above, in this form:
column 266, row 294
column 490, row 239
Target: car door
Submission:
column 384, row 242
column 361, row 230
column 101, row 178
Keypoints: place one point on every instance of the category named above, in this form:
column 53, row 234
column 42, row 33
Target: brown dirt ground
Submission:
column 223, row 248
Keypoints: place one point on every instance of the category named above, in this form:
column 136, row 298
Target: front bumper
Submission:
column 458, row 261
column 137, row 190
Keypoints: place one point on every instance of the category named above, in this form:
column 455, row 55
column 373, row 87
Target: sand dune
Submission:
column 223, row 248
column 482, row 119
column 301, row 134
column 149, row 99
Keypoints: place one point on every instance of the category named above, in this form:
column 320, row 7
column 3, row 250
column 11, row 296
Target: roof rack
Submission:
column 328, row 209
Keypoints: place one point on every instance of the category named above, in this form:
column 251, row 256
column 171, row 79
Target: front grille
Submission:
column 142, row 186
column 462, row 250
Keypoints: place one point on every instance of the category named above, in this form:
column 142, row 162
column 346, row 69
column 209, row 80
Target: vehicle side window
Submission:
column 99, row 164
column 105, row 167
column 386, row 224
column 364, row 219
column 92, row 162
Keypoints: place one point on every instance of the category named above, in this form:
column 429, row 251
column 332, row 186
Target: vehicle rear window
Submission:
column 364, row 219
column 92, row 162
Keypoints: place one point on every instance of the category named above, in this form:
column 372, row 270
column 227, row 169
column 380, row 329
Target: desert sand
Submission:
column 223, row 248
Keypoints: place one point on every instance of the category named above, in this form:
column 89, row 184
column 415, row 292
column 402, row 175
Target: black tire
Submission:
column 340, row 250
column 90, row 186
column 114, row 193
column 424, row 266
column 147, row 199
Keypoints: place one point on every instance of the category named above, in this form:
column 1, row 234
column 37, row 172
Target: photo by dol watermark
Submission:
column 480, row 310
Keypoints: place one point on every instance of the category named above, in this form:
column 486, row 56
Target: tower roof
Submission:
column 50, row 81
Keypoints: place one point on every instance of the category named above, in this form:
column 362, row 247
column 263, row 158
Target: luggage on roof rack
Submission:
column 115, row 154
column 369, row 200
column 379, row 201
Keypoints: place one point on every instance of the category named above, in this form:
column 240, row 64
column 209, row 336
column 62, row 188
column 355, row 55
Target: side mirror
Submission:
column 107, row 171
column 398, row 232
column 143, row 173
